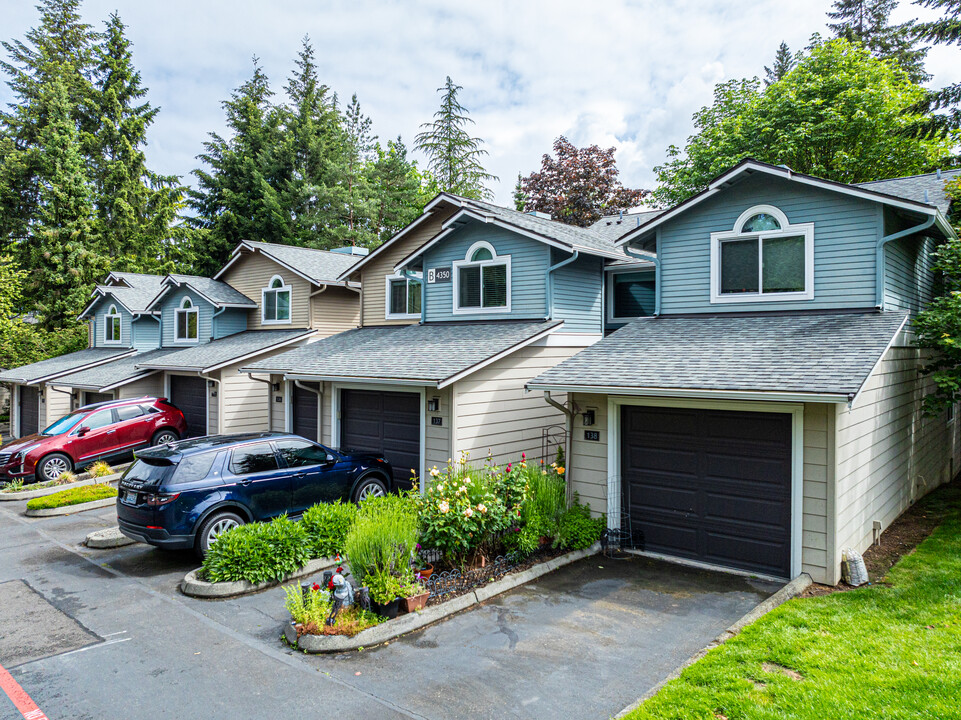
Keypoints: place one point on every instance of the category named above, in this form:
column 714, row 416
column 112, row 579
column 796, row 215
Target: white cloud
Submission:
column 626, row 73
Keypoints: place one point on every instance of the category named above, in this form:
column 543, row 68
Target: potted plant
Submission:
column 414, row 598
column 422, row 570
column 385, row 591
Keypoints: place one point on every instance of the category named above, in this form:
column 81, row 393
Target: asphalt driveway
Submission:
column 583, row 641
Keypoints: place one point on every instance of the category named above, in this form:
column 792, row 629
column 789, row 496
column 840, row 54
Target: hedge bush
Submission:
column 73, row 496
column 258, row 552
column 578, row 530
column 327, row 525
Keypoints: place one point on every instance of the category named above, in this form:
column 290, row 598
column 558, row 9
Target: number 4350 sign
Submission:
column 438, row 275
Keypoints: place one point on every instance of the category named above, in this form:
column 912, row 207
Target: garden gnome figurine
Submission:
column 342, row 595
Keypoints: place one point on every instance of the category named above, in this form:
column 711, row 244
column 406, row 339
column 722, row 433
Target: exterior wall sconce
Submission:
column 588, row 417
column 276, row 387
column 433, row 405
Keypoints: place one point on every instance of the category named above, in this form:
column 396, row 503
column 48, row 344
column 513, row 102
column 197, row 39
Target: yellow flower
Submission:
column 560, row 471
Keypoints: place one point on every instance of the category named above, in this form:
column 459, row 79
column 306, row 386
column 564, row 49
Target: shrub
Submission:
column 258, row 552
column 66, row 478
column 100, row 469
column 381, row 544
column 327, row 525
column 578, row 530
column 73, row 496
column 13, row 485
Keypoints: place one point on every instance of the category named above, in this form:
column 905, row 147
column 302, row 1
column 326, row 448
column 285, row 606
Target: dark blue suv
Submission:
column 184, row 494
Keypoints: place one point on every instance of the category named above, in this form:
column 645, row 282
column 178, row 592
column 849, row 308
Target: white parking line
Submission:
column 94, row 647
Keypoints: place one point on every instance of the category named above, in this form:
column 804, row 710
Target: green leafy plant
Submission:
column 73, row 496
column 327, row 526
column 258, row 552
column 384, row 587
column 66, row 478
column 578, row 530
column 311, row 607
column 382, row 541
column 14, row 485
column 100, row 469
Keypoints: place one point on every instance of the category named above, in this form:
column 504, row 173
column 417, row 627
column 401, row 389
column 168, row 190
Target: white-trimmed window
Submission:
column 630, row 294
column 275, row 305
column 482, row 281
column 403, row 298
column 764, row 258
column 186, row 322
column 111, row 326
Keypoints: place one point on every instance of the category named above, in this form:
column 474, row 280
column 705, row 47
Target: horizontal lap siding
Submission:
column 888, row 452
column 530, row 260
column 334, row 310
column 151, row 386
column 245, row 403
column 278, row 404
column 251, row 274
column 845, row 234
column 492, row 411
column 909, row 281
column 57, row 405
column 577, row 294
column 588, row 465
column 169, row 306
column 437, row 437
column 372, row 275
column 229, row 322
column 146, row 333
column 100, row 322
column 818, row 484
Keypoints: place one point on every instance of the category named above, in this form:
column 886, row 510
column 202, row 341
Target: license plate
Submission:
column 130, row 497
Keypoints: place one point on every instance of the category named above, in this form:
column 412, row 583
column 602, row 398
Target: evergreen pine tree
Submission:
column 943, row 31
column 783, row 62
column 396, row 189
column 519, row 196
column 867, row 22
column 360, row 143
column 453, row 156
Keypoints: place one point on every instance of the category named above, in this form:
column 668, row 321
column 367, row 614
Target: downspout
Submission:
column 320, row 405
column 549, row 309
column 879, row 259
column 310, row 304
column 657, row 275
column 270, row 398
column 423, row 292
column 220, row 400
column 568, row 443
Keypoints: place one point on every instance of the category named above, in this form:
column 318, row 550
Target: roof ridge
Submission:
column 909, row 177
column 302, row 247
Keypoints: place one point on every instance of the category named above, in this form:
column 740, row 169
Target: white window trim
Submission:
column 284, row 287
column 609, row 280
column 388, row 315
column 182, row 310
column 787, row 230
column 467, row 262
column 107, row 322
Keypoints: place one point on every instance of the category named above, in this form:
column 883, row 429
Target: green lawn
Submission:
column 885, row 651
column 73, row 496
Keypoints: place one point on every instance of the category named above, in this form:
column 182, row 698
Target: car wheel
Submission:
column 162, row 437
column 213, row 527
column 53, row 466
column 370, row 486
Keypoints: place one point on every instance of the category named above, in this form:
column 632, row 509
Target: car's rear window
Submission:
column 152, row 471
column 194, row 467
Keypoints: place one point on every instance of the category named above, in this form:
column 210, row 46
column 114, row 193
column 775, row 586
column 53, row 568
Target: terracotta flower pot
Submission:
column 426, row 571
column 479, row 561
column 413, row 603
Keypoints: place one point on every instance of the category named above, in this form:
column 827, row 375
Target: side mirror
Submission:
column 331, row 459
column 82, row 431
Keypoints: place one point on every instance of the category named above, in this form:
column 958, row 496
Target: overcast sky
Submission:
column 626, row 73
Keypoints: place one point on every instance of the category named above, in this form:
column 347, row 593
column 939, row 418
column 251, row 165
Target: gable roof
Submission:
column 613, row 226
column 113, row 374
column 823, row 356
column 217, row 293
column 321, row 267
column 216, row 354
column 926, row 188
column 435, row 355
column 750, row 166
column 53, row 368
column 135, row 293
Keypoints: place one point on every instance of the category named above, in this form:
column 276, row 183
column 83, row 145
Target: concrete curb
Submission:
column 195, row 587
column 788, row 592
column 43, row 492
column 71, row 509
column 416, row 620
column 107, row 538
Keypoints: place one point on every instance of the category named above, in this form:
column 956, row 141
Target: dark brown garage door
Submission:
column 190, row 395
column 710, row 485
column 89, row 398
column 29, row 410
column 385, row 422
column 304, row 411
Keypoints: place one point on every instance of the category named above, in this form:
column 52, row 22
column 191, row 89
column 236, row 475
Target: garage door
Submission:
column 710, row 485
column 304, row 411
column 29, row 410
column 385, row 422
column 190, row 395
column 89, row 398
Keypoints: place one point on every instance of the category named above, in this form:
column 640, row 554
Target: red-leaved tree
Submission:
column 577, row 186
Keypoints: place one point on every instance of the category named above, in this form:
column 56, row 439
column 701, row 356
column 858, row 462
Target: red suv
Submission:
column 103, row 431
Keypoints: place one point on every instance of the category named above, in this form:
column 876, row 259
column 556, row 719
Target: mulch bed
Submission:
column 899, row 539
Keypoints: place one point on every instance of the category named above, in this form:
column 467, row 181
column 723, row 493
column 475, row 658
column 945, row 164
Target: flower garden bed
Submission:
column 17, row 492
column 193, row 586
column 72, row 500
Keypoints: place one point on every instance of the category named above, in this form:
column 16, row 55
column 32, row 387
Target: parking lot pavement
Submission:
column 581, row 642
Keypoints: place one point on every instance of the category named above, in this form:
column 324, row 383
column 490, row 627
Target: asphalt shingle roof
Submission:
column 136, row 298
column 321, row 266
column 221, row 352
column 111, row 374
column 928, row 188
column 830, row 353
column 220, row 293
column 614, row 226
column 430, row 353
column 56, row 366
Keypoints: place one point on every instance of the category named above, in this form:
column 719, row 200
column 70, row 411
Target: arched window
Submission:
column 111, row 326
column 275, row 305
column 482, row 281
column 763, row 258
column 187, row 322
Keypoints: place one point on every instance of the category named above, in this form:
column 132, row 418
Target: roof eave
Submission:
column 694, row 393
column 79, row 368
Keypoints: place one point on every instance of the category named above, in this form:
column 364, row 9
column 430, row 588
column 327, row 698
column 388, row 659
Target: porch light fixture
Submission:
column 276, row 387
column 588, row 417
column 433, row 405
